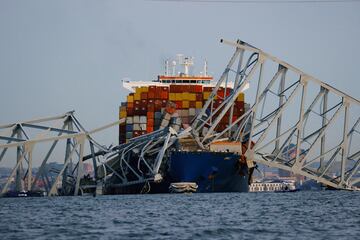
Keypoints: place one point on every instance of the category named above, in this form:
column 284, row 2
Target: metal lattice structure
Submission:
column 282, row 127
column 25, row 137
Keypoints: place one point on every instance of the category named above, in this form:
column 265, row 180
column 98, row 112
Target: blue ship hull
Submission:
column 213, row 172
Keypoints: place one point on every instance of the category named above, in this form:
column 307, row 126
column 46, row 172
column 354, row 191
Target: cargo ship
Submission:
column 175, row 98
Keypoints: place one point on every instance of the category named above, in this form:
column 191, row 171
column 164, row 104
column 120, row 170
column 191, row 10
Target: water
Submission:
column 300, row 215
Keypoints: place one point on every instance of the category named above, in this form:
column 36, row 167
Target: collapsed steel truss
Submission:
column 26, row 136
column 282, row 128
column 321, row 145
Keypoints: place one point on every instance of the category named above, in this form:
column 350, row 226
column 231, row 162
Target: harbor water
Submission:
column 299, row 215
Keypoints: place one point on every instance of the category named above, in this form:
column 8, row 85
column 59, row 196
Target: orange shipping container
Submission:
column 164, row 95
column 150, row 122
column 150, row 114
column 149, row 129
column 178, row 104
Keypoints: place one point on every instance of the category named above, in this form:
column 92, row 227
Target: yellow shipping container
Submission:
column 144, row 89
column 241, row 97
column 172, row 97
column 185, row 104
column 198, row 104
column 122, row 114
column 192, row 97
column 137, row 96
column 185, row 96
column 178, row 96
column 130, row 98
column 206, row 95
column 138, row 90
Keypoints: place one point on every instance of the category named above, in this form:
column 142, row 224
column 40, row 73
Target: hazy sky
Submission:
column 56, row 56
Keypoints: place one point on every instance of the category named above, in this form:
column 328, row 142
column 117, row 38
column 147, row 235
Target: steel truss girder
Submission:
column 314, row 155
column 25, row 143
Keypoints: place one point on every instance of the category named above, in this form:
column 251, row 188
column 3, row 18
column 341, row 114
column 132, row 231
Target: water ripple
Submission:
column 300, row 215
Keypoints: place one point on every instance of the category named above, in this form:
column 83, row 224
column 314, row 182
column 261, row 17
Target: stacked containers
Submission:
column 147, row 107
column 142, row 111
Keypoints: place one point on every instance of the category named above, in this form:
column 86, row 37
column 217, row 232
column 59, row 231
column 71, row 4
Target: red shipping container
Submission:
column 198, row 88
column 152, row 89
column 144, row 102
column 221, row 93
column 137, row 103
column 165, row 89
column 191, row 88
column 143, row 132
column 151, row 107
column 185, row 88
column 158, row 92
column 136, row 133
column 228, row 91
column 239, row 105
column 199, row 96
column 158, row 105
column 151, row 95
column 164, row 95
column 208, row 89
column 192, row 104
column 130, row 111
column 173, row 88
column 234, row 118
column 130, row 105
column 178, row 104
column 144, row 95
column 151, row 100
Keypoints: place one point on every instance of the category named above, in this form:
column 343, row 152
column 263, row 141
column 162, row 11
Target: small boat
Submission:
column 183, row 187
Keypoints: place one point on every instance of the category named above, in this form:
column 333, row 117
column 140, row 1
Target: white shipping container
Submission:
column 167, row 116
column 192, row 111
column 143, row 126
column 164, row 123
column 129, row 120
column 136, row 127
column 143, row 119
column 136, row 119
